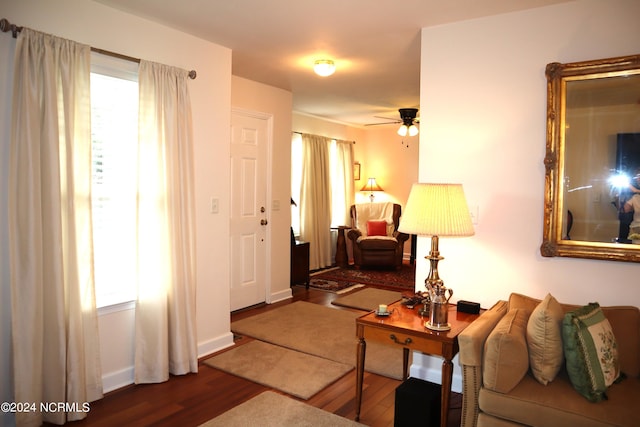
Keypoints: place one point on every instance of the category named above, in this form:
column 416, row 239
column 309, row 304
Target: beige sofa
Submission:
column 557, row 403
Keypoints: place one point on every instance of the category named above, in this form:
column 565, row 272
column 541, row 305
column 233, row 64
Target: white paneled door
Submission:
column 250, row 133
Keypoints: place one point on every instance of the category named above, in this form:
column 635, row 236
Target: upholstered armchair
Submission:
column 375, row 236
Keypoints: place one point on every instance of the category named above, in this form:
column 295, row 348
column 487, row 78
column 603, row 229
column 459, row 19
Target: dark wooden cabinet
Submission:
column 300, row 263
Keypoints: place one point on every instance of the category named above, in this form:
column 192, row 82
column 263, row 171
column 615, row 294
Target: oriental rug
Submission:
column 321, row 331
column 270, row 409
column 298, row 374
column 338, row 279
column 368, row 299
column 333, row 286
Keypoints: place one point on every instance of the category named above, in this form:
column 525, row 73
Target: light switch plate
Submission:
column 475, row 214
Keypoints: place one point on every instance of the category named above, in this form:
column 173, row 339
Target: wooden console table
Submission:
column 300, row 263
column 405, row 328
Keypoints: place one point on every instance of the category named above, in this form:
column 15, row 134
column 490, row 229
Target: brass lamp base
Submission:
column 439, row 328
column 438, row 308
column 434, row 279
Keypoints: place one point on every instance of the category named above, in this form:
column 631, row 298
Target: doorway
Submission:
column 249, row 213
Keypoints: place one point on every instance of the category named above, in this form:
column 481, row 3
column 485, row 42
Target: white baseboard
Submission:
column 219, row 343
column 124, row 377
column 429, row 368
column 280, row 296
column 115, row 380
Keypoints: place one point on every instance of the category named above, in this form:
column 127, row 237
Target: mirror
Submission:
column 592, row 156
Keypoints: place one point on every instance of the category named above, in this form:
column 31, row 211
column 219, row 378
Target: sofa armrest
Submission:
column 472, row 339
column 471, row 342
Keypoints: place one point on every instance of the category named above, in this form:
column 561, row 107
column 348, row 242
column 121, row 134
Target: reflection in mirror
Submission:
column 593, row 152
column 600, row 155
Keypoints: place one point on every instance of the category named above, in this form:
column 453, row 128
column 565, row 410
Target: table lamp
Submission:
column 371, row 186
column 436, row 210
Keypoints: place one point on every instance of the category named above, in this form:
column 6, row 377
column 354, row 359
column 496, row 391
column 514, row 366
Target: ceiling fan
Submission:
column 408, row 120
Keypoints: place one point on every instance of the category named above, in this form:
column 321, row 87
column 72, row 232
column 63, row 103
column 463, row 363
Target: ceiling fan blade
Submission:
column 406, row 115
column 391, row 121
column 383, row 123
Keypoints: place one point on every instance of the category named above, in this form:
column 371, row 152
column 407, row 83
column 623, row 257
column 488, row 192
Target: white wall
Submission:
column 392, row 160
column 102, row 27
column 483, row 90
column 315, row 125
column 257, row 97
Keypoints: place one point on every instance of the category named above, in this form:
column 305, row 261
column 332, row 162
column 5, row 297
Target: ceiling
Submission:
column 375, row 44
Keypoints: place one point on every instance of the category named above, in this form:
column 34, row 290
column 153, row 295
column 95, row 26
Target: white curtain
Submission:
column 315, row 200
column 165, row 308
column 342, row 183
column 54, row 324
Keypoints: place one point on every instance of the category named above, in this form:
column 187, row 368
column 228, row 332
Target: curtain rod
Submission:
column 6, row 26
column 302, row 133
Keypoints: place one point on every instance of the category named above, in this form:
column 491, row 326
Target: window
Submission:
column 114, row 134
column 338, row 174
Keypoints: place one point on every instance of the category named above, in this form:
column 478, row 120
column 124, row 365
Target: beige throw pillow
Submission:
column 544, row 339
column 506, row 359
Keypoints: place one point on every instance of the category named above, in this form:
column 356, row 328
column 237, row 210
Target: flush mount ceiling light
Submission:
column 324, row 67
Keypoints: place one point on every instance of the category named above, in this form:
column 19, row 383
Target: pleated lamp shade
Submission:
column 436, row 210
column 371, row 185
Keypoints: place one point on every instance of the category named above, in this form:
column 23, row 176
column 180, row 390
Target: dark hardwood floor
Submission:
column 190, row 400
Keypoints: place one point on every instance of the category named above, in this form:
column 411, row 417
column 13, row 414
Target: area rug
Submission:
column 321, row 331
column 333, row 286
column 295, row 373
column 270, row 409
column 368, row 299
column 402, row 279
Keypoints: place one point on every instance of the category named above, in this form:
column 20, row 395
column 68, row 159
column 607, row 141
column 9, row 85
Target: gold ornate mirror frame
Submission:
column 588, row 105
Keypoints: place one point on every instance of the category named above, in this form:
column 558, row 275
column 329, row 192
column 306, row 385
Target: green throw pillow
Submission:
column 591, row 351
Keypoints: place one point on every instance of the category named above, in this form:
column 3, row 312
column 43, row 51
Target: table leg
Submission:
column 447, row 376
column 341, row 248
column 405, row 363
column 362, row 348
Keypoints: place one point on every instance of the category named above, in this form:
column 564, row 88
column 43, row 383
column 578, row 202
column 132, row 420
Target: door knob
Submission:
column 263, row 222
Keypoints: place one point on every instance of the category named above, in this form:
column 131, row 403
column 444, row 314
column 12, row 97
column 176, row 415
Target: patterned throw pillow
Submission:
column 591, row 351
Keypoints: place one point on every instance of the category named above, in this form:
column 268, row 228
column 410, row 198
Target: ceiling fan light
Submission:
column 413, row 130
column 402, row 131
column 324, row 67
